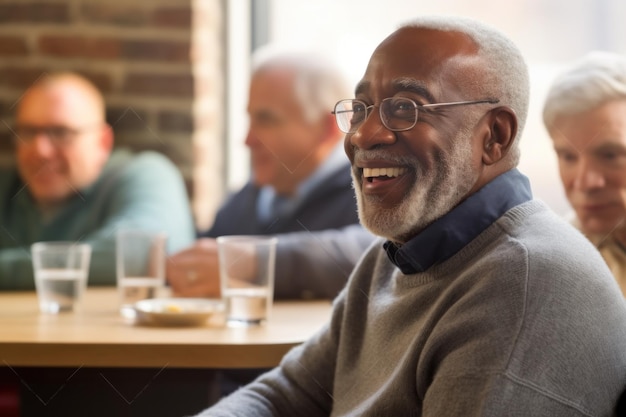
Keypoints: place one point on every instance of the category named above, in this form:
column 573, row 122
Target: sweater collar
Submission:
column 454, row 230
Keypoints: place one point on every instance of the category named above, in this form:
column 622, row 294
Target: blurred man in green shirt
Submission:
column 70, row 185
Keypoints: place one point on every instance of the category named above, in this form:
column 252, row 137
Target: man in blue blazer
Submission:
column 300, row 189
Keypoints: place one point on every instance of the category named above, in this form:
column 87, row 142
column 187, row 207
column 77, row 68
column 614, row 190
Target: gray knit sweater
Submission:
column 525, row 320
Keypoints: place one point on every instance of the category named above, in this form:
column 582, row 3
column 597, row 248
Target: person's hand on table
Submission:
column 194, row 272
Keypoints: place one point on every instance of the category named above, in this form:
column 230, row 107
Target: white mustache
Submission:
column 362, row 156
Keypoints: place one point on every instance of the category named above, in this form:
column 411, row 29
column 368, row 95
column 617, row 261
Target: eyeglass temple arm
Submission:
column 461, row 103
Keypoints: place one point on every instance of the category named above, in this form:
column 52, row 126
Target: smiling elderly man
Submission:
column 482, row 301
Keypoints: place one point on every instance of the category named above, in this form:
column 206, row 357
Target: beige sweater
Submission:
column 613, row 252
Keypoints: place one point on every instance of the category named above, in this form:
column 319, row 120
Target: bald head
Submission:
column 67, row 89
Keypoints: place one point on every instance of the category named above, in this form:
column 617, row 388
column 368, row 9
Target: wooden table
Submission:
column 98, row 336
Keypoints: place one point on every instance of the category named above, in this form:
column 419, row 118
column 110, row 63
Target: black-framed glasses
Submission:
column 396, row 113
column 57, row 135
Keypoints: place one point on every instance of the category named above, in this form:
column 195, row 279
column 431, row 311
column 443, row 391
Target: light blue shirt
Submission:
column 271, row 205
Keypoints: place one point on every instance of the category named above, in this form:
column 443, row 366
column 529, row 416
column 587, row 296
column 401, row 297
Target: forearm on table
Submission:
column 102, row 268
column 16, row 266
column 301, row 386
column 318, row 264
column 16, row 269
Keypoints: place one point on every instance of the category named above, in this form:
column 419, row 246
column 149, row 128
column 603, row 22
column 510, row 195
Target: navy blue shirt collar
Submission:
column 454, row 230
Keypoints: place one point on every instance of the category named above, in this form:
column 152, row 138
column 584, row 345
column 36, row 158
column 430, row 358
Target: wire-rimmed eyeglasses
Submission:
column 396, row 113
column 57, row 135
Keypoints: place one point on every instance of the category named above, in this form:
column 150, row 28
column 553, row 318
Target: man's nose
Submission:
column 251, row 139
column 588, row 177
column 372, row 133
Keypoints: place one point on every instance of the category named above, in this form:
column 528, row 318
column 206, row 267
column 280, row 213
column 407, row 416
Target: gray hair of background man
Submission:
column 504, row 75
column 595, row 79
column 318, row 83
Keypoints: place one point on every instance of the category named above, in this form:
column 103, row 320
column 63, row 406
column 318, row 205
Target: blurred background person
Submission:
column 69, row 185
column 300, row 188
column 585, row 115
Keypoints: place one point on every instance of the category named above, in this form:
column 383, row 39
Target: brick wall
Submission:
column 158, row 63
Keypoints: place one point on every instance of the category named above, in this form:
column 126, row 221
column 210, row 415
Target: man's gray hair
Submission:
column 593, row 80
column 504, row 75
column 318, row 81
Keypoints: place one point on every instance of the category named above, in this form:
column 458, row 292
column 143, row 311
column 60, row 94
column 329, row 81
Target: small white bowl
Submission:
column 177, row 311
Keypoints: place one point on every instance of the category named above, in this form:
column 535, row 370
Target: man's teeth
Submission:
column 383, row 172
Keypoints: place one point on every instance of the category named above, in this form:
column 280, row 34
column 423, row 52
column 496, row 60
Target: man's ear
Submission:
column 105, row 143
column 331, row 122
column 331, row 130
column 502, row 130
column 106, row 138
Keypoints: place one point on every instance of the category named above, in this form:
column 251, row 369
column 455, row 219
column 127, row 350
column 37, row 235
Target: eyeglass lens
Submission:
column 396, row 114
column 56, row 134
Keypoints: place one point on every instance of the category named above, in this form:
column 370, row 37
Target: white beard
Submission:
column 433, row 194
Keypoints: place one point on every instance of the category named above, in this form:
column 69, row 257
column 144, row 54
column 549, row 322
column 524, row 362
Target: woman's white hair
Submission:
column 595, row 79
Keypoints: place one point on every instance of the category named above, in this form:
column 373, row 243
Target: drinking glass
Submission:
column 140, row 262
column 61, row 270
column 247, row 278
